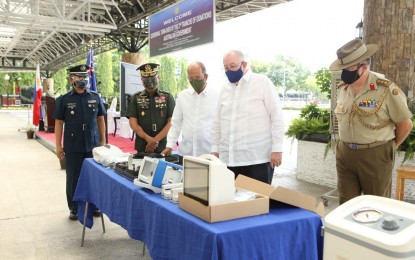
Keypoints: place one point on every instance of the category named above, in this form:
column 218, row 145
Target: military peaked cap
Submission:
column 148, row 69
column 79, row 69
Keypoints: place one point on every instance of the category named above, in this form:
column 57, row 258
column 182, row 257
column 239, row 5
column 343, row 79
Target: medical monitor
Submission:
column 154, row 173
column 147, row 169
column 207, row 180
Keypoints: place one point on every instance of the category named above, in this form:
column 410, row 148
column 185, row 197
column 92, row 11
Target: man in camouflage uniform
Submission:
column 374, row 120
column 150, row 112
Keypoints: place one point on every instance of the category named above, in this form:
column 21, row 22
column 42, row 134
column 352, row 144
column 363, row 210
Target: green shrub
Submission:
column 408, row 146
column 312, row 121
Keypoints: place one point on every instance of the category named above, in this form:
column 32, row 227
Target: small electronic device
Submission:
column 155, row 172
column 207, row 180
column 166, row 189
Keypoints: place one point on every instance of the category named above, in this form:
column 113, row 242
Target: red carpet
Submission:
column 125, row 144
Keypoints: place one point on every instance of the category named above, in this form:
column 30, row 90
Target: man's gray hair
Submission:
column 237, row 53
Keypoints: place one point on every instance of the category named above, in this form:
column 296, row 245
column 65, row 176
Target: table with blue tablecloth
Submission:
column 170, row 233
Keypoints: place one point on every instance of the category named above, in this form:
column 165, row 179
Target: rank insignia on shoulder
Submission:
column 383, row 82
column 395, row 91
column 341, row 83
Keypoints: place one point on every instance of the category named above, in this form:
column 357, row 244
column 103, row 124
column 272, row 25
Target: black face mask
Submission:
column 150, row 83
column 349, row 77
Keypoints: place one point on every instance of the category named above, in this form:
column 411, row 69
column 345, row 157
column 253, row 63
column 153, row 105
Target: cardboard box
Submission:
column 226, row 211
column 281, row 194
column 258, row 206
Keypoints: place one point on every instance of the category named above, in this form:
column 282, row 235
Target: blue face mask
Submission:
column 234, row 76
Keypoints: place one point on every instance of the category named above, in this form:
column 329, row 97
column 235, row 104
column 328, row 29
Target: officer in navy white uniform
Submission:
column 79, row 116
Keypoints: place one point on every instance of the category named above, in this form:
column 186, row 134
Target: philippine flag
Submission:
column 37, row 98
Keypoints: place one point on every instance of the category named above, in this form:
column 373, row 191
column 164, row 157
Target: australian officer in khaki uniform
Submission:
column 373, row 119
column 150, row 112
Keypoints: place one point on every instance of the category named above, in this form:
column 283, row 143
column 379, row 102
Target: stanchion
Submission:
column 29, row 108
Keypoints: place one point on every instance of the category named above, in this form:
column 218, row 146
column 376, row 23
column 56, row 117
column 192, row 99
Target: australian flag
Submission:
column 91, row 73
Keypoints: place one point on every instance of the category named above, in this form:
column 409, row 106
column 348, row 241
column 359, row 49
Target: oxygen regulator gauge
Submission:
column 367, row 215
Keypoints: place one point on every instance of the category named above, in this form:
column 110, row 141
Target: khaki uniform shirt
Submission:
column 371, row 115
column 152, row 113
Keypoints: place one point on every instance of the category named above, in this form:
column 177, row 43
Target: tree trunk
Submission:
column 133, row 58
column 390, row 23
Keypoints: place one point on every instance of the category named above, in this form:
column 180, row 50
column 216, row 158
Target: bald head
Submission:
column 197, row 65
column 196, row 73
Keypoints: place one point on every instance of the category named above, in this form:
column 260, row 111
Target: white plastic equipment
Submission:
column 109, row 155
column 370, row 227
column 155, row 172
column 208, row 180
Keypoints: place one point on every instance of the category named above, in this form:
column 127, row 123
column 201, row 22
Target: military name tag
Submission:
column 71, row 105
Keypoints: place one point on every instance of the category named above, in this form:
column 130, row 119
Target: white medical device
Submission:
column 155, row 172
column 207, row 180
column 370, row 227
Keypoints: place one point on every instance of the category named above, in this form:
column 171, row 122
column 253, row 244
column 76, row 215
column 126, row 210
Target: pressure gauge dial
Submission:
column 367, row 215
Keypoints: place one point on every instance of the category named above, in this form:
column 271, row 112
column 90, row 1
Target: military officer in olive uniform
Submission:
column 150, row 112
column 373, row 119
column 82, row 113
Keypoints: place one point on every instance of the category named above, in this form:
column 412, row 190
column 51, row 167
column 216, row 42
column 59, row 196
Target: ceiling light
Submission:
column 5, row 40
column 7, row 31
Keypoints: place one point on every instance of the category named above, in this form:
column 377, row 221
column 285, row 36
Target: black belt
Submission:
column 365, row 146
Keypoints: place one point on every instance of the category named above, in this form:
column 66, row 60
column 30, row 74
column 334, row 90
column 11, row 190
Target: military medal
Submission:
column 142, row 113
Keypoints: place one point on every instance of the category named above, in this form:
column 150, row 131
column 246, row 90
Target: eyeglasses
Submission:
column 232, row 67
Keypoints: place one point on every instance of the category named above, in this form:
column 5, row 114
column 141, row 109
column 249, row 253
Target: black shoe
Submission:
column 97, row 213
column 73, row 215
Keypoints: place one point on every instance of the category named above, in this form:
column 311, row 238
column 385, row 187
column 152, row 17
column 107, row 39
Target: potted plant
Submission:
column 315, row 164
column 30, row 131
column 312, row 125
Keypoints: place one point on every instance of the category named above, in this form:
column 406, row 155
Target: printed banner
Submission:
column 183, row 25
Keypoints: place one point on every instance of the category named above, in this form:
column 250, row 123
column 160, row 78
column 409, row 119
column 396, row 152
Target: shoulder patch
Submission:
column 383, row 82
